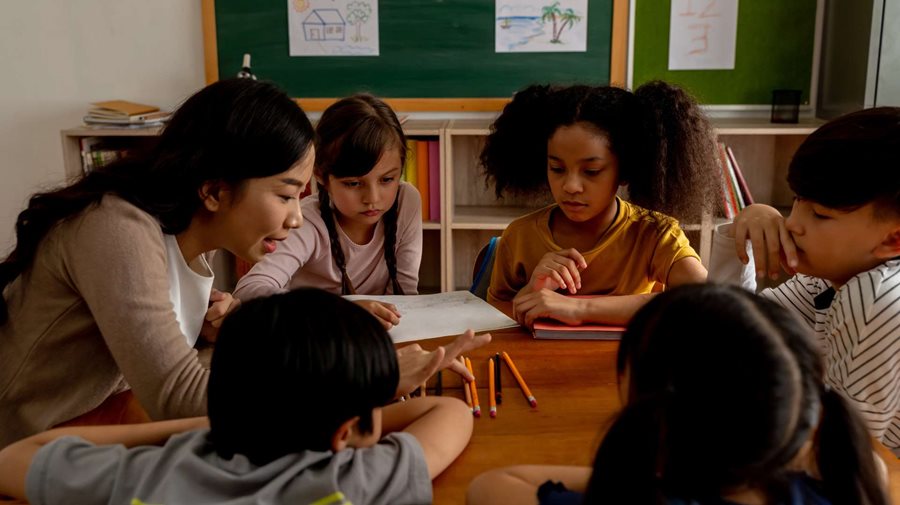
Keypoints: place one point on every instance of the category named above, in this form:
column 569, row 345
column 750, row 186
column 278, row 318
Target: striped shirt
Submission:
column 859, row 331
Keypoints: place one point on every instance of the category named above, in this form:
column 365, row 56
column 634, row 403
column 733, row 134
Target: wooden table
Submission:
column 577, row 396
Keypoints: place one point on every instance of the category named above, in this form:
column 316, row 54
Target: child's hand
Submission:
column 545, row 303
column 220, row 305
column 773, row 246
column 559, row 270
column 386, row 313
column 417, row 364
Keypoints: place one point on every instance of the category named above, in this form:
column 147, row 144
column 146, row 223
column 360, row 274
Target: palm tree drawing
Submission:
column 561, row 20
column 357, row 14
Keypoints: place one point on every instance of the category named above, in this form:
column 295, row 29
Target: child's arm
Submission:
column 605, row 309
column 442, row 425
column 519, row 484
column 16, row 458
column 764, row 227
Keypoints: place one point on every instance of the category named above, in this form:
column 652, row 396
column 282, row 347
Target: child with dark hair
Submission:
column 108, row 287
column 842, row 239
column 724, row 405
column 297, row 414
column 363, row 232
column 583, row 143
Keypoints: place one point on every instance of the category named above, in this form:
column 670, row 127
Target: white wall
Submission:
column 888, row 92
column 57, row 56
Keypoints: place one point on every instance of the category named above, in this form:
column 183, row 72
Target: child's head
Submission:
column 724, row 389
column 303, row 370
column 583, row 142
column 360, row 154
column 847, row 182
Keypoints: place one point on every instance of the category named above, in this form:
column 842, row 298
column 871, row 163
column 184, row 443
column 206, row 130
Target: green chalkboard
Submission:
column 775, row 40
column 428, row 49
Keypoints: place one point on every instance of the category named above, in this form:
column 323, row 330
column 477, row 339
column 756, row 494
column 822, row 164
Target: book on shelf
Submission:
column 410, row 172
column 555, row 330
column 95, row 153
column 434, row 180
column 742, row 183
column 422, row 174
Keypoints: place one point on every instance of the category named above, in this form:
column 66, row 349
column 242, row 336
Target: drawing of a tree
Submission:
column 561, row 20
column 357, row 14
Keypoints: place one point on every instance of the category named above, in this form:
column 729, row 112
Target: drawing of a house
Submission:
column 324, row 24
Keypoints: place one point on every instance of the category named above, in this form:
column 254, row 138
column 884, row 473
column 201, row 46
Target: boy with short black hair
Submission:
column 842, row 240
column 296, row 415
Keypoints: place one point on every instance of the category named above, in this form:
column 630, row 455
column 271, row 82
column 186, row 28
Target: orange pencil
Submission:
column 519, row 379
column 476, row 409
column 492, row 399
column 466, row 386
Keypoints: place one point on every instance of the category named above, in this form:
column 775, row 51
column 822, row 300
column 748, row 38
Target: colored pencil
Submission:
column 424, row 394
column 492, row 398
column 466, row 386
column 527, row 392
column 497, row 388
column 439, row 386
column 476, row 409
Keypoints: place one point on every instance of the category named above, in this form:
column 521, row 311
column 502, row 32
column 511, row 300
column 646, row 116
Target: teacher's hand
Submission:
column 417, row 364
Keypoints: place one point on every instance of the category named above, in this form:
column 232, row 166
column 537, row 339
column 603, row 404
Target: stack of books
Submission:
column 423, row 170
column 735, row 193
column 125, row 113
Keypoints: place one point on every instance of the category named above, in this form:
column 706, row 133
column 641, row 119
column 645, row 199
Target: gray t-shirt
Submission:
column 187, row 470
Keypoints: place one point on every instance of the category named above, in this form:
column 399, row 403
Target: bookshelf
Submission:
column 116, row 138
column 470, row 212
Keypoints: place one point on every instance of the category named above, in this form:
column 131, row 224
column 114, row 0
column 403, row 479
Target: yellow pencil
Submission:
column 466, row 386
column 424, row 385
column 519, row 379
column 492, row 399
column 476, row 409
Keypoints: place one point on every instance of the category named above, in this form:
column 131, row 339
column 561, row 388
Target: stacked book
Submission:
column 125, row 113
column 735, row 193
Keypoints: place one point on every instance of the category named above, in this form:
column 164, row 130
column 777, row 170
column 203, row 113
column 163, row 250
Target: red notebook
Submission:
column 554, row 330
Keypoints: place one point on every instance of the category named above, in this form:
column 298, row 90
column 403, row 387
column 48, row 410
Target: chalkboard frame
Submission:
column 618, row 53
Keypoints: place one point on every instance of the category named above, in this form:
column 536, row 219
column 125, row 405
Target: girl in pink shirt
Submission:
column 363, row 230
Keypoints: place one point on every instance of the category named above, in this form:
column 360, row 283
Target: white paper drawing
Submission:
column 333, row 27
column 540, row 26
column 432, row 316
column 703, row 34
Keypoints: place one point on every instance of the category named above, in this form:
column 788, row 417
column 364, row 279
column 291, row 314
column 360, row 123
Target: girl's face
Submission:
column 583, row 173
column 362, row 201
column 258, row 215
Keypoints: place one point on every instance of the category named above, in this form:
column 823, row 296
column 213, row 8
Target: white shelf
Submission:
column 762, row 126
column 431, row 225
column 486, row 217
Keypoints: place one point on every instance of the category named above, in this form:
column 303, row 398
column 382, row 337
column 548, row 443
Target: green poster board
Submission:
column 775, row 40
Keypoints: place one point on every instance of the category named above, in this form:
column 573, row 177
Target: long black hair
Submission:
column 664, row 144
column 289, row 369
column 228, row 132
column 353, row 133
column 724, row 389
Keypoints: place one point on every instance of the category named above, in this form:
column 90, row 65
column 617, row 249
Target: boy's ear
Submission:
column 345, row 434
column 211, row 195
column 890, row 246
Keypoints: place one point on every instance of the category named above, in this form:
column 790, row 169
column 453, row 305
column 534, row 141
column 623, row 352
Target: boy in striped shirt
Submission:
column 841, row 243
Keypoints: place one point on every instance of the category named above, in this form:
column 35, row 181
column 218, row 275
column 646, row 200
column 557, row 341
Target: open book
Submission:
column 554, row 330
column 432, row 316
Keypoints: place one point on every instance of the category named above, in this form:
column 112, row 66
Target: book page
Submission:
column 439, row 315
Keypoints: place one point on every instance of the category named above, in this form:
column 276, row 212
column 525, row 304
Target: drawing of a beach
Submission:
column 533, row 26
